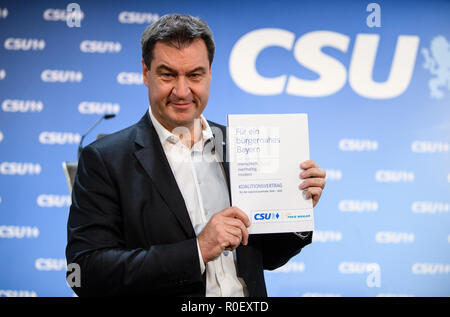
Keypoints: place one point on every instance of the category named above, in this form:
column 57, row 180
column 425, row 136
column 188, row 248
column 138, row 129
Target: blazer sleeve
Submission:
column 279, row 248
column 96, row 243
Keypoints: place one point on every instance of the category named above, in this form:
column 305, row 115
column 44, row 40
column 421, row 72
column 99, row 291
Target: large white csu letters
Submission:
column 363, row 60
column 243, row 60
column 332, row 74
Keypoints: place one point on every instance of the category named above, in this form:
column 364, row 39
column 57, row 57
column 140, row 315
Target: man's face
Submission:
column 178, row 83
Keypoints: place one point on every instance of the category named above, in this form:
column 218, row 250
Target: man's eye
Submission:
column 166, row 75
column 194, row 76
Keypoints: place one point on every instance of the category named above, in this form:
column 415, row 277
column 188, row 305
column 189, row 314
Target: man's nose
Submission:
column 181, row 88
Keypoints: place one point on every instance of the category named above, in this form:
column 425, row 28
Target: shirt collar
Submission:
column 167, row 136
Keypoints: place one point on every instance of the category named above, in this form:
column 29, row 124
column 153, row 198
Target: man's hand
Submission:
column 314, row 180
column 224, row 231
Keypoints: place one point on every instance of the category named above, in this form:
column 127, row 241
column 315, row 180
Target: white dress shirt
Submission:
column 202, row 183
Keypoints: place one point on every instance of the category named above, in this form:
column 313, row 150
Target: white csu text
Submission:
column 332, row 74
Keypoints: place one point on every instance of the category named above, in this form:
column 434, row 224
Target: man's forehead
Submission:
column 173, row 52
column 180, row 44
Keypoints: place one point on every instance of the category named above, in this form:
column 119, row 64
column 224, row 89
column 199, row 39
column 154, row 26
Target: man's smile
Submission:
column 181, row 105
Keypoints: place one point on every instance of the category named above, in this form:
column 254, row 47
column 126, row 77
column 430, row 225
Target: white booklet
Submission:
column 265, row 152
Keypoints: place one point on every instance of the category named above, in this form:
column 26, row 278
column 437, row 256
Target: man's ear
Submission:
column 145, row 72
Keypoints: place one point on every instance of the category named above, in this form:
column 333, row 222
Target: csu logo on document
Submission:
column 437, row 62
column 267, row 216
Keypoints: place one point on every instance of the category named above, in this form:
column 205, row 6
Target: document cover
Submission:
column 265, row 152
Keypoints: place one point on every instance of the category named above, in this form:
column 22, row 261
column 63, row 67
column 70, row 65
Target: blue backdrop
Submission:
column 374, row 80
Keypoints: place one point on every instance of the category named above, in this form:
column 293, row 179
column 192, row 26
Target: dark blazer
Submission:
column 129, row 229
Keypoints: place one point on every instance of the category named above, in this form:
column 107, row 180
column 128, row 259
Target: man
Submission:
column 150, row 207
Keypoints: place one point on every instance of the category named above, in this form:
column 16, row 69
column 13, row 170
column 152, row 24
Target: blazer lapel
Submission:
column 220, row 142
column 153, row 159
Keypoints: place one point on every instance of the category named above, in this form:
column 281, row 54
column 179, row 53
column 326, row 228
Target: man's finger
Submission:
column 314, row 193
column 234, row 231
column 237, row 213
column 308, row 164
column 239, row 225
column 313, row 182
column 231, row 243
column 313, row 172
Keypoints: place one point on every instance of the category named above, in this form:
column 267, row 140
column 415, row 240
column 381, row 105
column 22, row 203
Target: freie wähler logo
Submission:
column 437, row 62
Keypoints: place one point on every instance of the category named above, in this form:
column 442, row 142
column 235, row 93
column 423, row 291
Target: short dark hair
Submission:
column 176, row 30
